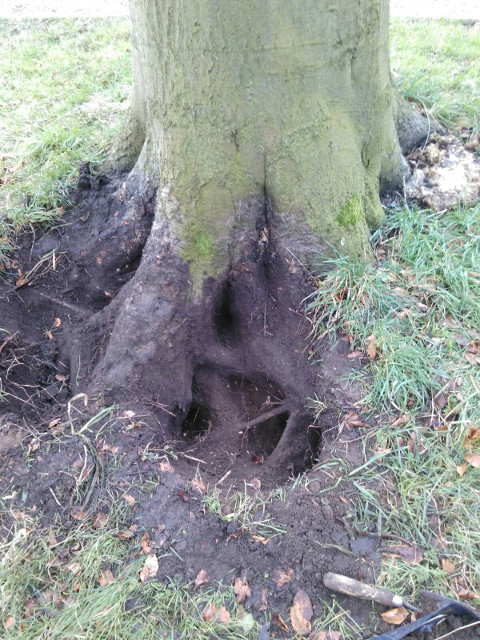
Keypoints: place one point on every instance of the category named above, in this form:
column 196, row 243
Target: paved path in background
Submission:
column 468, row 9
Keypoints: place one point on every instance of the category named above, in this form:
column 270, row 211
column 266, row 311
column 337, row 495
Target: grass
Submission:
column 63, row 96
column 436, row 65
column 416, row 316
column 85, row 583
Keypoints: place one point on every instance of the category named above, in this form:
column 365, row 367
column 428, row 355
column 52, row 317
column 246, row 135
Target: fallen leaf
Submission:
column 202, row 578
column 260, row 539
column 105, row 578
column 57, row 323
column 328, row 634
column 49, row 335
column 263, row 600
column 199, row 485
column 280, row 622
column 129, row 499
column 150, row 568
column 474, row 460
column 125, row 535
column 29, row 608
column 409, row 554
column 52, row 540
column 8, row 622
column 395, row 616
column 145, row 544
column 461, row 468
column 100, row 520
column 355, row 354
column 183, row 496
column 74, row 567
column 472, row 352
column 301, row 613
column 166, row 466
column 60, row 377
column 401, row 420
column 128, row 414
column 472, row 435
column 241, row 589
column 256, row 484
column 448, row 566
column 78, row 513
column 372, row 346
column 216, row 614
column 281, row 578
column 53, row 423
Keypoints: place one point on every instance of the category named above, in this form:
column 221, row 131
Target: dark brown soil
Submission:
column 221, row 398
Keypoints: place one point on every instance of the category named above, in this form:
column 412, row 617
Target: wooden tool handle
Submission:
column 352, row 587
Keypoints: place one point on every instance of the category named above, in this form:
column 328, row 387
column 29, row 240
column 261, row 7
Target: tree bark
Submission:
column 266, row 129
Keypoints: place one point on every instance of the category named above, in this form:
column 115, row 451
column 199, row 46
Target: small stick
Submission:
column 264, row 417
column 8, row 340
column 223, row 478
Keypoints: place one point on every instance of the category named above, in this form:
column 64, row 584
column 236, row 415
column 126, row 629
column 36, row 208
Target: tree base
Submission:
column 226, row 376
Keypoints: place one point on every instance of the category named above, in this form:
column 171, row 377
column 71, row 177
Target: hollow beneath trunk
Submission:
column 224, row 377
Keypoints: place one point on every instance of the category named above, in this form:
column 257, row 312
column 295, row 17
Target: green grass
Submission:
column 416, row 316
column 63, row 91
column 85, row 583
column 436, row 64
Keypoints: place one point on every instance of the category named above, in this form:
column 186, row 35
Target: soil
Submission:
column 232, row 417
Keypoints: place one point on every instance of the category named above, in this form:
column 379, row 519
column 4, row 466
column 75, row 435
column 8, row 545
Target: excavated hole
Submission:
column 261, row 440
column 236, row 422
column 197, row 422
column 225, row 319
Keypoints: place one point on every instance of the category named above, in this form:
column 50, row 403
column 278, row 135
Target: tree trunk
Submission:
column 266, row 130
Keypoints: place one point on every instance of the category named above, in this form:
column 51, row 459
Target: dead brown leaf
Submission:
column 29, row 608
column 202, row 578
column 448, row 566
column 472, row 435
column 281, row 578
column 328, row 634
column 106, row 577
column 263, row 600
column 183, row 496
column 216, row 614
column 150, row 568
column 280, row 622
column 241, row 589
column 57, row 323
column 166, row 466
column 145, row 544
column 129, row 499
column 461, row 468
column 474, row 460
column 472, row 352
column 125, row 535
column 372, row 346
column 78, row 513
column 100, row 520
column 301, row 613
column 395, row 616
column 129, row 414
column 8, row 622
column 199, row 485
column 401, row 420
column 74, row 567
column 409, row 554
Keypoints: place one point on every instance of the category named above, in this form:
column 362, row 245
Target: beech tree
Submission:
column 259, row 136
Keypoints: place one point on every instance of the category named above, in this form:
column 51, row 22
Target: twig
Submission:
column 8, row 340
column 264, row 417
column 467, row 626
column 224, row 477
